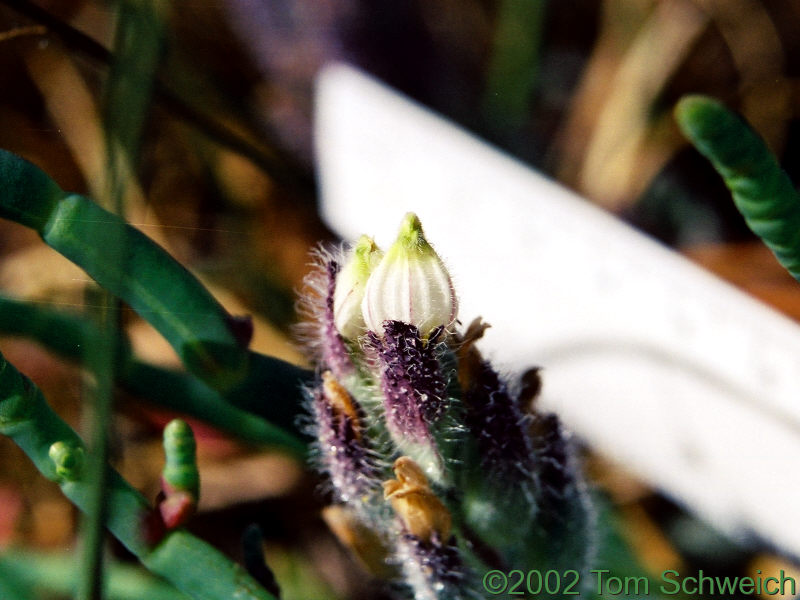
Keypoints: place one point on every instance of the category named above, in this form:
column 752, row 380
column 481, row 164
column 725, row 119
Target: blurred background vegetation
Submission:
column 580, row 89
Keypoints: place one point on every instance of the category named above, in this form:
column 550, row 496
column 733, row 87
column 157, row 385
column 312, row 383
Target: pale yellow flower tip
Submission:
column 350, row 285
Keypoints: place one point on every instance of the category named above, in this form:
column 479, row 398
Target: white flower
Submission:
column 411, row 284
column 351, row 282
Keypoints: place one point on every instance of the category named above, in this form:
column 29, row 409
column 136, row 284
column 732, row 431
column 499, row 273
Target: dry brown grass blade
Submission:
column 593, row 88
column 618, row 164
column 22, row 31
column 74, row 111
column 613, row 145
column 755, row 47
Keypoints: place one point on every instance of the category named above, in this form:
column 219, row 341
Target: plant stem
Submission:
column 187, row 395
column 514, row 66
column 138, row 42
column 251, row 419
column 55, row 572
column 761, row 190
column 190, row 564
column 211, row 343
column 99, row 408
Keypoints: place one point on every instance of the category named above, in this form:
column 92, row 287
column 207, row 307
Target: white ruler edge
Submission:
column 690, row 383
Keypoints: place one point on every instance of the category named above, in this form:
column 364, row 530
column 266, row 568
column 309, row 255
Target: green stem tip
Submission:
column 761, row 190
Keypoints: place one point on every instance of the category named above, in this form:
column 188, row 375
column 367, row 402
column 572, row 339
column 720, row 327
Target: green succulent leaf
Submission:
column 148, row 279
column 187, row 562
column 180, row 470
column 761, row 190
column 54, row 573
column 247, row 417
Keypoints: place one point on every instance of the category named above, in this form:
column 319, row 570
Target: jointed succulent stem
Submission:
column 761, row 190
column 32, row 572
column 187, row 562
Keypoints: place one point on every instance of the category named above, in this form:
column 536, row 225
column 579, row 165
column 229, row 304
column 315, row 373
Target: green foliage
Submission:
column 200, row 330
column 154, row 284
column 762, row 191
column 513, row 72
column 180, row 470
column 187, row 562
column 31, row 572
column 249, row 419
column 161, row 290
column 148, row 279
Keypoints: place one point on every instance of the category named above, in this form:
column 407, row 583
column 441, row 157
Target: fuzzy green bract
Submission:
column 761, row 190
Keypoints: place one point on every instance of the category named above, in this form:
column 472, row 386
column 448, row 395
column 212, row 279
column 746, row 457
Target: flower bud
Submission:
column 68, row 460
column 431, row 562
column 498, row 425
column 421, row 512
column 317, row 331
column 342, row 408
column 350, row 284
column 410, row 285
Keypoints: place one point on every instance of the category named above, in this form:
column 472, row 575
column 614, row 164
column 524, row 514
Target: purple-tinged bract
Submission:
column 411, row 380
column 318, row 330
column 434, row 570
column 497, row 424
column 343, row 453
